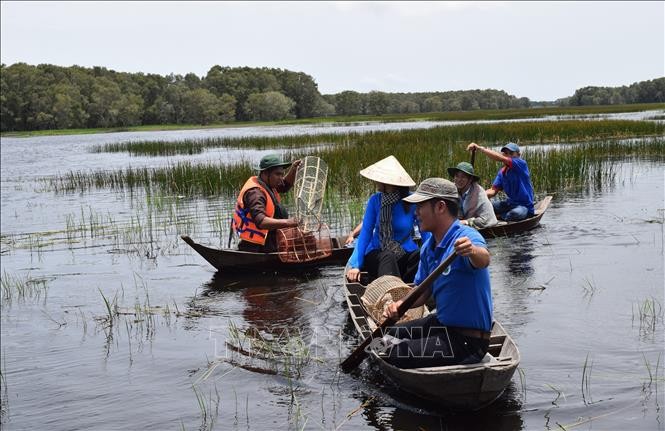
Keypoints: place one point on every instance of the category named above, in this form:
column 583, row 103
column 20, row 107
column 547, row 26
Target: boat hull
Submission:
column 229, row 261
column 457, row 387
column 504, row 228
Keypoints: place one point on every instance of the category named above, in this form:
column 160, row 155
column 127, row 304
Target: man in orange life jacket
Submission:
column 259, row 211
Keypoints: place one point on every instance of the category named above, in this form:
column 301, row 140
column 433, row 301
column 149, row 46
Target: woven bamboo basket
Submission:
column 385, row 290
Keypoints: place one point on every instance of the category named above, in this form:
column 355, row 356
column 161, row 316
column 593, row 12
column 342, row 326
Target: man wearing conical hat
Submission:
column 259, row 211
column 385, row 245
column 475, row 208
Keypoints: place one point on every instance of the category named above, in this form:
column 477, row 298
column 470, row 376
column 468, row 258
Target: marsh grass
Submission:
column 555, row 168
column 652, row 372
column 4, row 391
column 558, row 392
column 586, row 381
column 536, row 132
column 208, row 407
column 649, row 312
column 152, row 148
column 152, row 228
column 21, row 288
column 283, row 353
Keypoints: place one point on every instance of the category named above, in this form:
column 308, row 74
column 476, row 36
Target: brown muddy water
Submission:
column 194, row 349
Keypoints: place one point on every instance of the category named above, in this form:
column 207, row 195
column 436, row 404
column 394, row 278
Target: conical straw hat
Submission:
column 388, row 171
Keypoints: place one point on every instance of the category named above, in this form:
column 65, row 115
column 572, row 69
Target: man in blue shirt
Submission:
column 459, row 331
column 513, row 178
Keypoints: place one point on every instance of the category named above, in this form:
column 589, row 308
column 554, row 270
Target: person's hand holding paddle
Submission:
column 391, row 310
column 479, row 256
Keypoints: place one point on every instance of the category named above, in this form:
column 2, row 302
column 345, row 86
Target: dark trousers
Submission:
column 383, row 262
column 427, row 343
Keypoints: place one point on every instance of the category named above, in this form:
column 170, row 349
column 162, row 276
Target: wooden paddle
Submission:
column 360, row 352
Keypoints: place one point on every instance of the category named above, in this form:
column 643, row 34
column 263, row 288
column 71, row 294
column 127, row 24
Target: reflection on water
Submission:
column 520, row 254
column 388, row 409
column 271, row 301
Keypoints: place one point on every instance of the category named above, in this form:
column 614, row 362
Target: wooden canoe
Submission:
column 229, row 260
column 504, row 228
column 456, row 387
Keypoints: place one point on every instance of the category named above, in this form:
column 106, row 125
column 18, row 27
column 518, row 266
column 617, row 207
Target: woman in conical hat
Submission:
column 385, row 244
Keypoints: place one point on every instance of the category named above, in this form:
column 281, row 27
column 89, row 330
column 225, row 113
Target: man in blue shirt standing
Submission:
column 459, row 331
column 513, row 178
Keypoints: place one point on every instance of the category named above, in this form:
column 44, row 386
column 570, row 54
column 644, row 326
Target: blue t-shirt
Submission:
column 462, row 293
column 515, row 181
column 369, row 238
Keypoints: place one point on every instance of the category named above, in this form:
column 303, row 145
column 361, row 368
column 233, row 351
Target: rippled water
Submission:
column 576, row 290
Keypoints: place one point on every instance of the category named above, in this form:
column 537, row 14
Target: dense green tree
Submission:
column 322, row 108
column 48, row 96
column 68, row 107
column 200, row 106
column 433, row 104
column 269, row 106
column 377, row 103
column 348, row 103
column 652, row 91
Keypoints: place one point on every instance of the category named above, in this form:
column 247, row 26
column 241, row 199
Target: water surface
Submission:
column 570, row 292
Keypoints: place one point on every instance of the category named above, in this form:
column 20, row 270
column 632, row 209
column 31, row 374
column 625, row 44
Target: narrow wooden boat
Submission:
column 504, row 228
column 229, row 260
column 457, row 387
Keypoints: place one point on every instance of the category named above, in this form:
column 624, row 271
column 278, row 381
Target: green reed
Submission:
column 19, row 287
column 521, row 132
column 586, row 380
column 148, row 148
column 558, row 168
column 649, row 312
column 209, row 411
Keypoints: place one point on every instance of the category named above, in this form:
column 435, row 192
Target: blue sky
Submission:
column 539, row 50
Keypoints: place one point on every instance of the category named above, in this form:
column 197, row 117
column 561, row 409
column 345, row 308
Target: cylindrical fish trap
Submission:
column 295, row 245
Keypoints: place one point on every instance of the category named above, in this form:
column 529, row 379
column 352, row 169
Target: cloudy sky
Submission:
column 542, row 51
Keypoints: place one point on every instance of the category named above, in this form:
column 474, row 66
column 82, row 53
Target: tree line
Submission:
column 652, row 91
column 54, row 97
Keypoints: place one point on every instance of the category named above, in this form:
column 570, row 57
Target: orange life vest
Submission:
column 242, row 218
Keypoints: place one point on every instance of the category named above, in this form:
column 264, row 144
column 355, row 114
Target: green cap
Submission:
column 271, row 161
column 463, row 167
